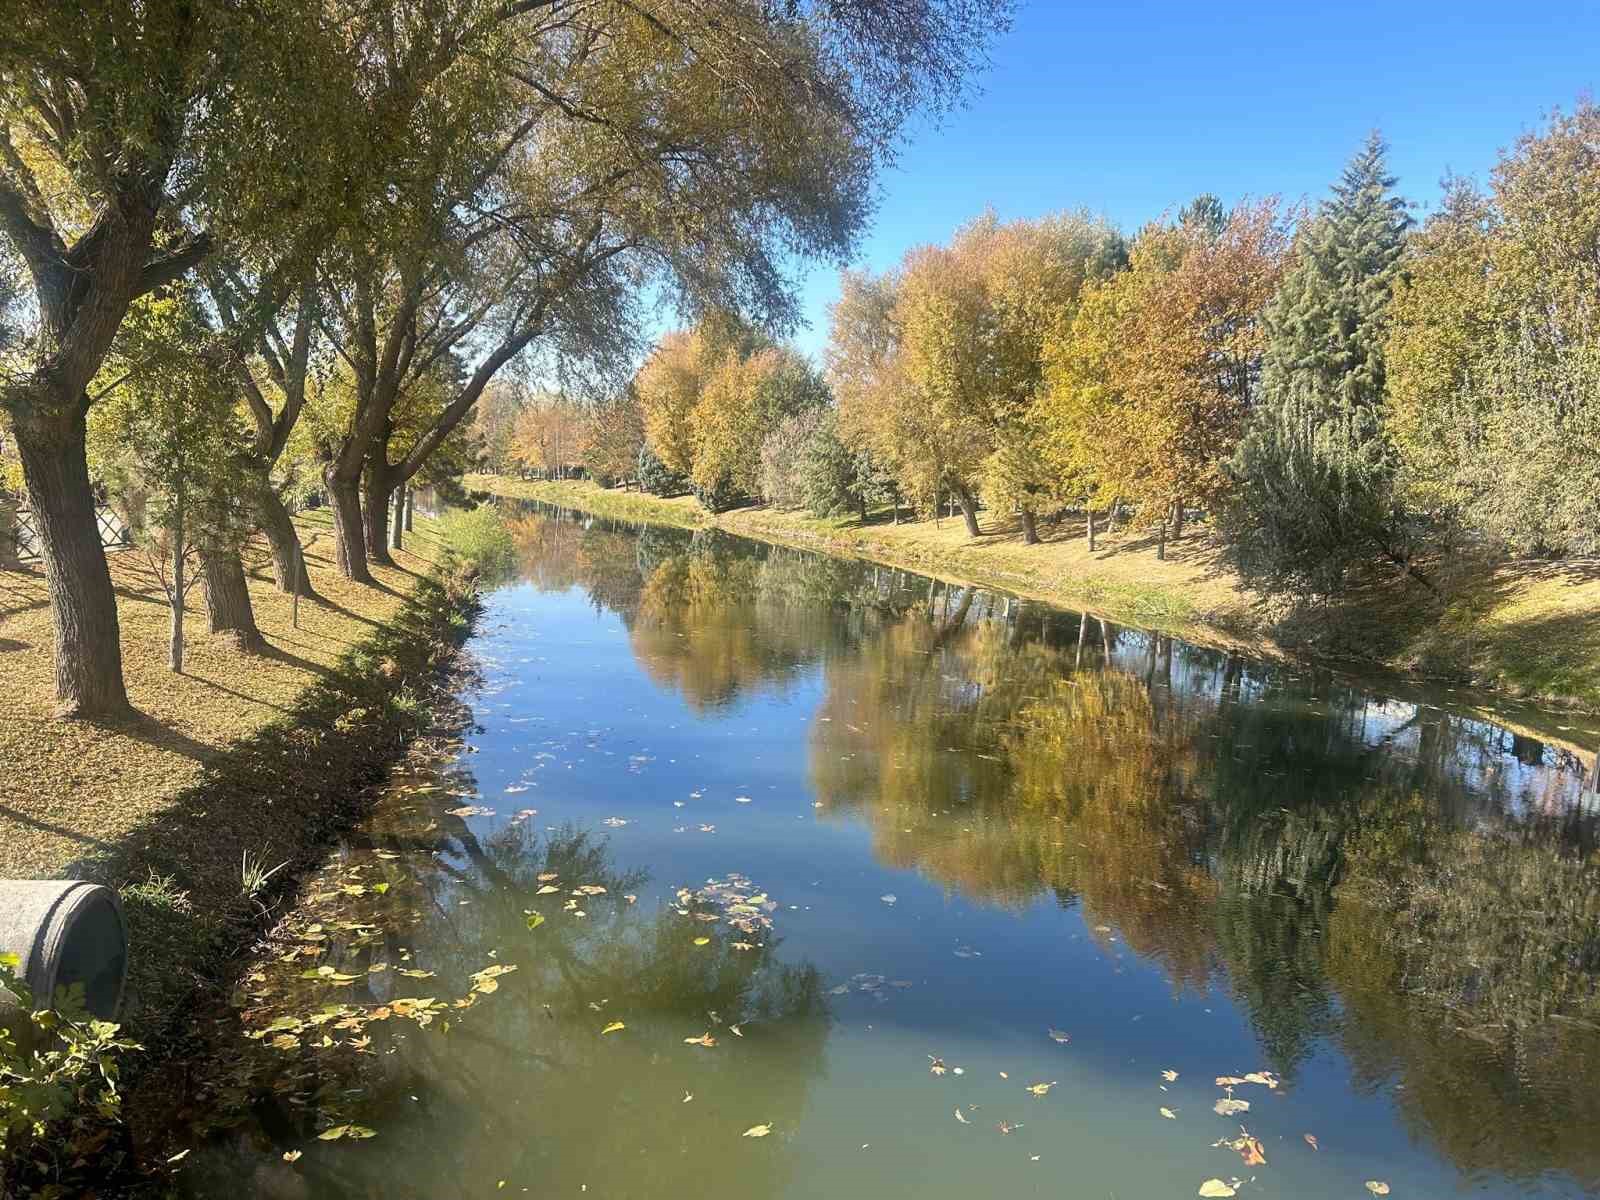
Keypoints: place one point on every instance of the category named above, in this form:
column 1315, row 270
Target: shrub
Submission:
column 656, row 477
column 479, row 538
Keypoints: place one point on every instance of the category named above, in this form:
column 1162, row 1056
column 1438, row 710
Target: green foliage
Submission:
column 783, row 452
column 717, row 496
column 1315, row 471
column 656, row 477
column 478, row 537
column 59, row 1100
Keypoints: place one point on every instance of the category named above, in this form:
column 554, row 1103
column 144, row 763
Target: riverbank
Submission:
column 233, row 776
column 1530, row 630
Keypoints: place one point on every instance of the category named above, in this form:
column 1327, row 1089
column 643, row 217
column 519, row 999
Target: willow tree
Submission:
column 133, row 138
column 583, row 157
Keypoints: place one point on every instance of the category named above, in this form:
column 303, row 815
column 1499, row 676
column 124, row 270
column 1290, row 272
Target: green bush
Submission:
column 479, row 538
column 59, row 1102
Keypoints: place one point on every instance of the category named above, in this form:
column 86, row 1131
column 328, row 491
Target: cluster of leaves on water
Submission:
column 60, row 1101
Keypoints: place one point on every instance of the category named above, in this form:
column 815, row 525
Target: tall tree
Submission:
column 1315, row 471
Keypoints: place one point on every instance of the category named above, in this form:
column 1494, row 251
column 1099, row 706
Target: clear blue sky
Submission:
column 1132, row 108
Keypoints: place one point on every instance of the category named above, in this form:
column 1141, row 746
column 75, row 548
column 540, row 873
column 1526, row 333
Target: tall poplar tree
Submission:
column 1315, row 470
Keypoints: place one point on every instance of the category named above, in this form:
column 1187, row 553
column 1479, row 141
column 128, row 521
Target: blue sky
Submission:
column 1130, row 109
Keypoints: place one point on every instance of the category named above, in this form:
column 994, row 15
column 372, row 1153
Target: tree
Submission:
column 104, row 114
column 170, row 430
column 655, row 476
column 1150, row 387
column 493, row 421
column 1493, row 364
column 614, row 437
column 1315, row 470
column 549, row 436
column 743, row 400
column 783, row 455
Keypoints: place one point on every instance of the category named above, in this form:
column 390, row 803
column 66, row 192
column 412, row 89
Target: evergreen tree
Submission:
column 1315, row 470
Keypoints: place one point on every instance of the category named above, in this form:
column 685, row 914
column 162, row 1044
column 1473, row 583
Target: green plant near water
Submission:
column 60, row 1104
column 478, row 538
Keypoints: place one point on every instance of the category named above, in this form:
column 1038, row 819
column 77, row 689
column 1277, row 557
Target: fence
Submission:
column 26, row 545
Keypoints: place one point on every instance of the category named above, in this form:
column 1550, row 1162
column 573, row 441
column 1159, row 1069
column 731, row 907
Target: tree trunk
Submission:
column 411, row 508
column 375, row 516
column 861, row 504
column 227, row 594
column 397, row 522
column 1089, row 517
column 1161, row 541
column 1030, row 528
column 1177, row 519
column 176, row 648
column 9, row 559
column 282, row 537
column 349, row 537
column 83, row 606
column 969, row 509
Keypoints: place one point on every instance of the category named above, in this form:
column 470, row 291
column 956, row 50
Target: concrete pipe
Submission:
column 66, row 931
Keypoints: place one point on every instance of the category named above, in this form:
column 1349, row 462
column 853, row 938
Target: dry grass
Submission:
column 1530, row 629
column 73, row 791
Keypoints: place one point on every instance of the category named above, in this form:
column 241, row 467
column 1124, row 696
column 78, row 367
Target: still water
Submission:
column 955, row 895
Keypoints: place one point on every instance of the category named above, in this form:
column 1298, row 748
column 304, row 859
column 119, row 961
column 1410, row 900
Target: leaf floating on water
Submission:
column 548, row 876
column 471, row 810
column 687, row 1096
column 1230, row 1080
column 1311, row 1140
column 1040, row 1089
column 889, row 898
column 1170, row 1076
column 967, row 952
column 612, row 1028
column 1168, row 1114
column 346, row 1131
column 1228, row 1106
column 741, row 799
column 631, row 899
column 1215, row 1187
column 614, row 822
column 1377, row 1187
column 936, row 1066
column 735, row 1030
column 705, row 1039
column 1265, row 1078
column 547, row 890
column 292, row 1156
column 960, row 1117
column 757, row 1131
column 702, row 941
column 1059, row 1036
column 415, row 973
column 380, row 888
column 1008, row 1126
column 535, row 919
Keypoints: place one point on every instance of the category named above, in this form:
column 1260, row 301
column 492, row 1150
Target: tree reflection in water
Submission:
column 1414, row 886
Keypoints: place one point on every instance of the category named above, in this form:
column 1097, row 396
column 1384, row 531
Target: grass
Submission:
column 239, row 764
column 1527, row 629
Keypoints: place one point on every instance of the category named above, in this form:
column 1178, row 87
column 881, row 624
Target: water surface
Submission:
column 904, row 850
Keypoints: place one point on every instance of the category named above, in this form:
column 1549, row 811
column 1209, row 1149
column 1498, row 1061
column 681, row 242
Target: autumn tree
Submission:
column 613, row 437
column 550, row 436
column 1493, row 360
column 669, row 386
column 1151, row 386
column 1315, row 470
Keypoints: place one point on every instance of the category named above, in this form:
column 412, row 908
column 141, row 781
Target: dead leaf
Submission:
column 1228, row 1106
column 1311, row 1140
column 1170, row 1076
column 1215, row 1187
column 1040, row 1089
column 612, row 1028
column 702, row 941
column 1377, row 1187
column 961, row 1118
column 291, row 1156
column 705, row 1039
column 1057, row 1035
column 757, row 1131
column 1169, row 1114
column 936, row 1066
column 1252, row 1151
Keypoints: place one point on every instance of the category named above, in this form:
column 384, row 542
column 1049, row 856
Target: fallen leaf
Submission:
column 888, row 898
column 290, row 1156
column 705, row 1039
column 1228, row 1106
column 1215, row 1187
column 1170, row 1076
column 735, row 1030
column 757, row 1131
column 702, row 941
column 1008, row 1126
column 688, row 1096
column 1169, row 1114
column 1311, row 1140
column 962, row 1118
column 1252, row 1151
column 741, row 799
column 936, row 1066
column 1040, row 1089
column 535, row 920
column 1057, row 1035
column 547, row 890
column 612, row 1028
column 1377, row 1187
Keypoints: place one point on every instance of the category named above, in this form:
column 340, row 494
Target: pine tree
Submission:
column 1315, row 471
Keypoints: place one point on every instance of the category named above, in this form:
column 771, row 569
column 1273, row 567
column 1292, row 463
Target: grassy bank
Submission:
column 1527, row 629
column 239, row 764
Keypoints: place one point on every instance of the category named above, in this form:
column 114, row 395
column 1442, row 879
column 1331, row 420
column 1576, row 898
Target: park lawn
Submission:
column 72, row 792
column 1528, row 629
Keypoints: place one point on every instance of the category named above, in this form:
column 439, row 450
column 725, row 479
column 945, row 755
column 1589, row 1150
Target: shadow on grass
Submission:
column 280, row 795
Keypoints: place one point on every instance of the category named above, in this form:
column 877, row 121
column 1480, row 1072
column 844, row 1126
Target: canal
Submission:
column 759, row 873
